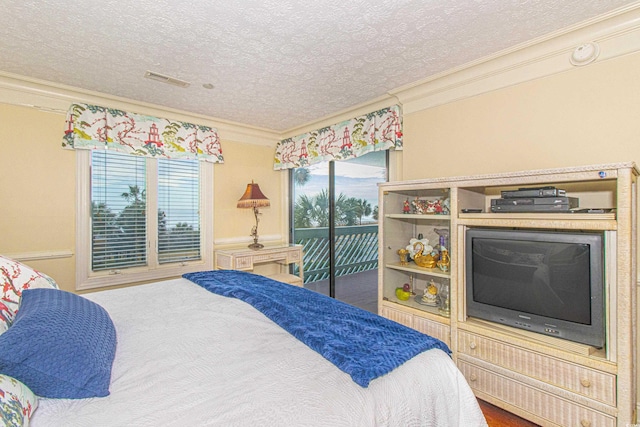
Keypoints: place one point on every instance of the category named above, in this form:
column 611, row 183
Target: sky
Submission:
column 353, row 178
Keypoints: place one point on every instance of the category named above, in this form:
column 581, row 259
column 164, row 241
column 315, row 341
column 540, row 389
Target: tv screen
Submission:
column 545, row 278
column 548, row 282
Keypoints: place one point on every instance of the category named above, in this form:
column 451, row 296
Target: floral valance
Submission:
column 376, row 131
column 95, row 127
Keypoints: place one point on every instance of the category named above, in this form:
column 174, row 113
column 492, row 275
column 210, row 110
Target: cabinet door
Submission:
column 435, row 329
column 426, row 326
column 401, row 317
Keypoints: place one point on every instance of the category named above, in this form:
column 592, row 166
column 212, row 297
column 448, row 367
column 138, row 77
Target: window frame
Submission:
column 88, row 279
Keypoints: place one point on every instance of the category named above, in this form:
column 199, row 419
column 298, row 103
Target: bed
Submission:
column 188, row 356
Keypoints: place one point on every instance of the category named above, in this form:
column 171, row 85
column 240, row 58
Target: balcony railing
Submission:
column 356, row 250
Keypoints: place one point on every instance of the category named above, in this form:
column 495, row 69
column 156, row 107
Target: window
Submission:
column 141, row 218
column 178, row 211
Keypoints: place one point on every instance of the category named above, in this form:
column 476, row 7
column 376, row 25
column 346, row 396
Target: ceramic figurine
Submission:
column 438, row 208
column 429, row 260
column 411, row 247
column 445, row 261
column 445, row 305
column 444, row 237
column 404, row 256
column 430, row 296
column 418, row 206
column 445, row 308
column 446, row 206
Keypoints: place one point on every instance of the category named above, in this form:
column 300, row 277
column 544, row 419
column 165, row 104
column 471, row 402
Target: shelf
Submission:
column 413, row 268
column 433, row 217
column 565, row 221
column 538, row 215
column 430, row 312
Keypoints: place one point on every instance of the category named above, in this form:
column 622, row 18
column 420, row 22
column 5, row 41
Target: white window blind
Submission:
column 178, row 211
column 118, row 211
column 119, row 205
column 141, row 218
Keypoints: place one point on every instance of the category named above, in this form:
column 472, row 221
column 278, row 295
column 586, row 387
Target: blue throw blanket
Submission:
column 358, row 342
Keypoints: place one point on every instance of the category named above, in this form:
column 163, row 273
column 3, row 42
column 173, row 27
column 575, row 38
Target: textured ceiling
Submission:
column 276, row 64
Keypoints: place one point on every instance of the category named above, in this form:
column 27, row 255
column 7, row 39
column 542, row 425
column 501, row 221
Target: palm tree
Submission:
column 363, row 208
column 132, row 221
column 302, row 212
column 320, row 212
column 313, row 211
column 102, row 217
column 346, row 210
column 301, row 176
column 134, row 195
column 182, row 227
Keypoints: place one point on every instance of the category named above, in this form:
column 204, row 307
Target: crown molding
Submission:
column 56, row 98
column 346, row 114
column 616, row 33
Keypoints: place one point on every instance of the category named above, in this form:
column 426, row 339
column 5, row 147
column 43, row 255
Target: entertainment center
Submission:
column 537, row 305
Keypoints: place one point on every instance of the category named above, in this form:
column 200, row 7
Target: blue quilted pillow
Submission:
column 60, row 345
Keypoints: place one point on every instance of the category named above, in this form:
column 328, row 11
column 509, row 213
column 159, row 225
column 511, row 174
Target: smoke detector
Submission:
column 585, row 54
column 166, row 79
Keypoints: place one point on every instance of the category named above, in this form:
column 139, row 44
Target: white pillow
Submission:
column 15, row 277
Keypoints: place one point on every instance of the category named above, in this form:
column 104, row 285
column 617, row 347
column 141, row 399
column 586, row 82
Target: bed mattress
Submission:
column 186, row 356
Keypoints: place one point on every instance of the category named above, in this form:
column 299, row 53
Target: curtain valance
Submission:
column 95, row 127
column 376, row 131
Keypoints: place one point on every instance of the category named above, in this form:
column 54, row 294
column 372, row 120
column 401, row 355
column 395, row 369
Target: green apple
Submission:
column 402, row 294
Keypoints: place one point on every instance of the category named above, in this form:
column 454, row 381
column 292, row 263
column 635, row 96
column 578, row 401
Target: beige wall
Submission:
column 243, row 163
column 37, row 189
column 587, row 115
column 583, row 116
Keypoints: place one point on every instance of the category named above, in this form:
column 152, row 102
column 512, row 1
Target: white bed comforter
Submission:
column 187, row 357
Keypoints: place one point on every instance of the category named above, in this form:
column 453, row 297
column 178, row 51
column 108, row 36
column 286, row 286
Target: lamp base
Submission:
column 256, row 246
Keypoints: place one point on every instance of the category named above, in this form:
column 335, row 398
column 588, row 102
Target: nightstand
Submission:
column 244, row 259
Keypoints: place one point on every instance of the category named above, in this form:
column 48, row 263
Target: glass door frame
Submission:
column 332, row 212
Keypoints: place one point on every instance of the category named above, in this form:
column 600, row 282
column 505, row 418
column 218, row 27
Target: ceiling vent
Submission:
column 165, row 79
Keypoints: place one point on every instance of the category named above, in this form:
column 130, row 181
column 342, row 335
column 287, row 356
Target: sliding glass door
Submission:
column 334, row 216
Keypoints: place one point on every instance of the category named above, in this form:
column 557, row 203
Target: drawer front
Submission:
column 224, row 262
column 244, row 263
column 266, row 257
column 294, row 256
column 556, row 410
column 435, row 329
column 588, row 382
column 401, row 317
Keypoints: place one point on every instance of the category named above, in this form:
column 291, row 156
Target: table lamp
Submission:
column 253, row 198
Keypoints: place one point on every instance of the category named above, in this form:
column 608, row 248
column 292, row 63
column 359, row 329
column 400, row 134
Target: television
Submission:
column 550, row 282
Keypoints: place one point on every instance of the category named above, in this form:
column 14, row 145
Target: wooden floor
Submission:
column 359, row 289
column 497, row 417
